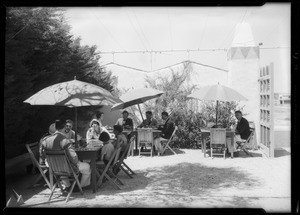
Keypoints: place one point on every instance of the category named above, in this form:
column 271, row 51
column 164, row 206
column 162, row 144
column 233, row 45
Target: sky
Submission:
column 163, row 36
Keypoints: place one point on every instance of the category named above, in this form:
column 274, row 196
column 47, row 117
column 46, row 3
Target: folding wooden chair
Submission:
column 60, row 165
column 121, row 165
column 241, row 145
column 145, row 141
column 43, row 169
column 107, row 172
column 168, row 142
column 131, row 146
column 217, row 141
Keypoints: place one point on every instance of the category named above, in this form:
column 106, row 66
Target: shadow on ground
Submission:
column 279, row 152
column 22, row 183
column 239, row 154
column 176, row 150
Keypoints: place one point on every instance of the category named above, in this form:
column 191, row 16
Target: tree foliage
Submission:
column 186, row 112
column 39, row 52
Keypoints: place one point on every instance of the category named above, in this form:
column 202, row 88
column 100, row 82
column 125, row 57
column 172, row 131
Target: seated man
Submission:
column 242, row 131
column 69, row 133
column 58, row 141
column 126, row 122
column 149, row 122
column 51, row 131
column 166, row 131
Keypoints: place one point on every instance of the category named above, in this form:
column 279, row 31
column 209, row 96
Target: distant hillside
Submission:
column 201, row 75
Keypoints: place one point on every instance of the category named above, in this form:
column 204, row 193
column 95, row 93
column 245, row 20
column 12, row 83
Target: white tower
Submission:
column 243, row 66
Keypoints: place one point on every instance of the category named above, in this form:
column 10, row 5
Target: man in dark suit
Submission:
column 242, row 127
column 125, row 122
column 166, row 131
column 149, row 122
column 242, row 132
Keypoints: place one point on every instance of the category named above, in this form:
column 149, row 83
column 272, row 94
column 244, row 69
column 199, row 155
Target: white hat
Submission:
column 94, row 120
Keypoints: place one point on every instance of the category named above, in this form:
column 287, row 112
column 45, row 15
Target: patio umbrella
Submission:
column 217, row 93
column 136, row 97
column 73, row 94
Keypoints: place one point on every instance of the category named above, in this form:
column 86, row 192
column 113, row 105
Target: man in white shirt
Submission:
column 68, row 132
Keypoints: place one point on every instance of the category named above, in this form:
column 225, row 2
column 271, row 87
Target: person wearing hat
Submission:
column 125, row 122
column 93, row 133
column 51, row 131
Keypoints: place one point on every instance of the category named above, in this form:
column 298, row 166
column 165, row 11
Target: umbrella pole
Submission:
column 76, row 143
column 217, row 113
column 141, row 112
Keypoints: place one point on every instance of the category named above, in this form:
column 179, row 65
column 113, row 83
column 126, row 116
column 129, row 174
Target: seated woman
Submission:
column 99, row 116
column 93, row 133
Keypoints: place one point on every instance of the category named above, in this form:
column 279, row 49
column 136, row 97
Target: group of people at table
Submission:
column 61, row 137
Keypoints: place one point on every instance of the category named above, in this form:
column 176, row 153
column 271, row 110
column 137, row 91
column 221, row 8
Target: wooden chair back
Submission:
column 128, row 147
column 145, row 135
column 217, row 141
column 169, row 141
column 218, row 136
column 59, row 162
column 33, row 150
column 60, row 165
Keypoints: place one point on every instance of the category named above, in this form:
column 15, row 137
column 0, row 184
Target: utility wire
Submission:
column 161, row 51
column 144, row 71
column 275, row 27
column 170, row 30
column 108, row 31
column 179, row 50
column 232, row 30
column 142, row 30
column 202, row 33
column 136, row 31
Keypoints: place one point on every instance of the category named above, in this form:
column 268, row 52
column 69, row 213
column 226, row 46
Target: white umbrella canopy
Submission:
column 136, row 97
column 217, row 93
column 73, row 94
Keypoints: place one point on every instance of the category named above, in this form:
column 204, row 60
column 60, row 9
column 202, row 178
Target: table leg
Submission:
column 204, row 146
column 232, row 144
column 93, row 168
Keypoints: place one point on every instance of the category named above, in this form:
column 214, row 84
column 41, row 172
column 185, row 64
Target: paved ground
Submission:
column 185, row 180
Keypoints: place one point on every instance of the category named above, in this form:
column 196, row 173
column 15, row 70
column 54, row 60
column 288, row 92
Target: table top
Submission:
column 134, row 130
column 207, row 130
column 94, row 148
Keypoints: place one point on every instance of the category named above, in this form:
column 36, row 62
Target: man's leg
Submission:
column 157, row 144
column 85, row 170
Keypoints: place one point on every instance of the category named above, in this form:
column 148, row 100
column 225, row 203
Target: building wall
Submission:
column 243, row 77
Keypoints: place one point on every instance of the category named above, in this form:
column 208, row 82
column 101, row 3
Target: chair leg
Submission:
column 112, row 181
column 172, row 150
column 124, row 170
column 38, row 178
column 53, row 188
column 78, row 184
column 117, row 179
column 128, row 168
column 69, row 194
